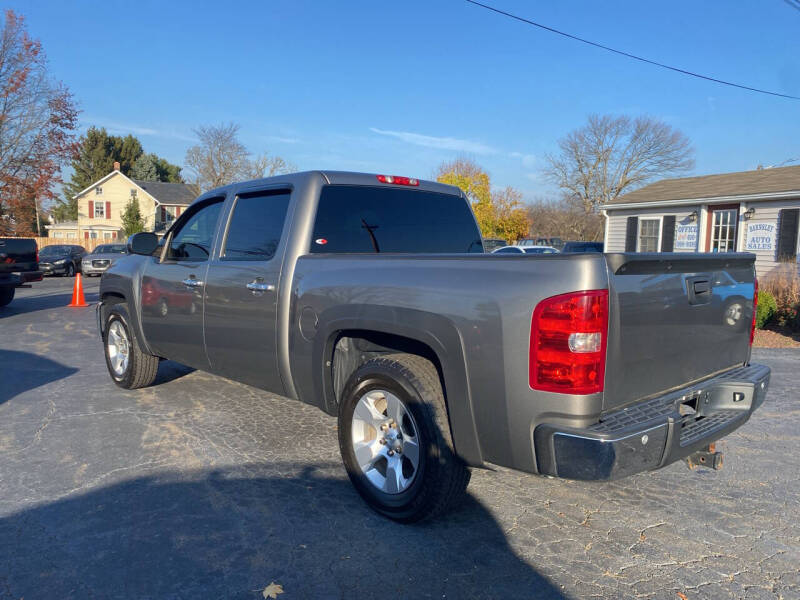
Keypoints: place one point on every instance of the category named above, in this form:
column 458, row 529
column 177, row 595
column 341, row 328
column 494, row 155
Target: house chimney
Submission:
column 116, row 166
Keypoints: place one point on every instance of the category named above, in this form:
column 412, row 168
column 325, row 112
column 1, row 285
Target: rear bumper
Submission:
column 20, row 278
column 652, row 433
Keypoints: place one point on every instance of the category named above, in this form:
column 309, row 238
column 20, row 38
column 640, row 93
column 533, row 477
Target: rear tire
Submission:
column 6, row 295
column 129, row 367
column 439, row 478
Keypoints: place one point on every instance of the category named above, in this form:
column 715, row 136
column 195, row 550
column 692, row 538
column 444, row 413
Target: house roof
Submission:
column 766, row 182
column 169, row 193
column 181, row 194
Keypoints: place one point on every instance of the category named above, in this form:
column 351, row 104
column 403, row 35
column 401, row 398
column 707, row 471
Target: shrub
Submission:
column 785, row 289
column 767, row 307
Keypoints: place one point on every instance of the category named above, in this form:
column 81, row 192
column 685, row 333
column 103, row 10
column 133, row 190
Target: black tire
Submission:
column 6, row 295
column 142, row 368
column 441, row 479
column 69, row 271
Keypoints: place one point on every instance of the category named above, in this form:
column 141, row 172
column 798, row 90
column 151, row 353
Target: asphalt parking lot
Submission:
column 198, row 487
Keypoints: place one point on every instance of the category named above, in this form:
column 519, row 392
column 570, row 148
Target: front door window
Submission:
column 723, row 230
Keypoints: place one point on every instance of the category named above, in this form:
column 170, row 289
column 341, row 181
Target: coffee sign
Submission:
column 760, row 237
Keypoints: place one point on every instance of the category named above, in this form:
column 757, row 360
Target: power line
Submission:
column 793, row 3
column 633, row 56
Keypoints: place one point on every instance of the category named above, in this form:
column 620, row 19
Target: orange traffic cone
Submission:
column 77, row 293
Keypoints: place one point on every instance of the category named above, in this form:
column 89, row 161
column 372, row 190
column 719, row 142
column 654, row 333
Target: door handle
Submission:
column 259, row 286
column 192, row 282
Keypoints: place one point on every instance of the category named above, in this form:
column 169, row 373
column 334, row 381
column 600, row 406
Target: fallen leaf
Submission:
column 682, row 596
column 273, row 589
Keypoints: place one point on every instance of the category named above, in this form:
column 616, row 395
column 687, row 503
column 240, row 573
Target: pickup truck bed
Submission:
column 370, row 297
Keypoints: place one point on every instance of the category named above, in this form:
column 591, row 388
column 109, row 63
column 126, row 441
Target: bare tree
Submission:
column 220, row 158
column 565, row 218
column 612, row 155
column 267, row 166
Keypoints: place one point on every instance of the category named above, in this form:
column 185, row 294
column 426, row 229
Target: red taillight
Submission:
column 755, row 306
column 398, row 180
column 568, row 343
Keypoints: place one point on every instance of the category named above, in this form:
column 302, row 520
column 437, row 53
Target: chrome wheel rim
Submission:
column 385, row 440
column 118, row 348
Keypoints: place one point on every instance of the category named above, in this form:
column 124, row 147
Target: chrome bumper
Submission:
column 653, row 433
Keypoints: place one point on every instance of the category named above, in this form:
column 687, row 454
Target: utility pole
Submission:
column 38, row 222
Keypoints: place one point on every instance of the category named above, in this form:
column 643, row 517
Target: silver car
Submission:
column 101, row 258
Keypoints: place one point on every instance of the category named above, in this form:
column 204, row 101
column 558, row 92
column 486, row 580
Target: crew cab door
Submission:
column 241, row 291
column 172, row 287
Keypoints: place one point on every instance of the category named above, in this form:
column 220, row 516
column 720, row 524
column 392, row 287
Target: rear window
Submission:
column 355, row 219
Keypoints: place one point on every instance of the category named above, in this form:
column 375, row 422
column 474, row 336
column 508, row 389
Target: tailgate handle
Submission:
column 698, row 289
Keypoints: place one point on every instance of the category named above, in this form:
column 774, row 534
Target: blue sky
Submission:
column 400, row 87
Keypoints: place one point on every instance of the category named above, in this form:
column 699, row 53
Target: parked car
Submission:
column 491, row 244
column 61, row 259
column 19, row 265
column 555, row 242
column 578, row 247
column 371, row 298
column 525, row 250
column 102, row 257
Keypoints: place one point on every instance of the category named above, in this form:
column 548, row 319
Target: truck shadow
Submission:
column 27, row 304
column 23, row 371
column 228, row 533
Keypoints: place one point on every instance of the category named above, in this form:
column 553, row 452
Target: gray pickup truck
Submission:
column 370, row 297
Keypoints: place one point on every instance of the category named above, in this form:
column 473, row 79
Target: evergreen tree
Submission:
column 132, row 221
column 145, row 168
column 97, row 153
column 151, row 167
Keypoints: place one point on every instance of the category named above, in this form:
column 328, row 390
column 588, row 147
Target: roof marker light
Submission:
column 398, row 180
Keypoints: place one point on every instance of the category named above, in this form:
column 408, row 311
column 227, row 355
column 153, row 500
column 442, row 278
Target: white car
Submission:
column 526, row 250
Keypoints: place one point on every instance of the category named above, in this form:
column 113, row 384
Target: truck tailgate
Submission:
column 18, row 254
column 675, row 319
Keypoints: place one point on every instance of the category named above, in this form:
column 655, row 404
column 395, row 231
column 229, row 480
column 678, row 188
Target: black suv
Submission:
column 62, row 259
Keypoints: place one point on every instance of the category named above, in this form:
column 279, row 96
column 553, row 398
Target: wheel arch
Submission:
column 344, row 344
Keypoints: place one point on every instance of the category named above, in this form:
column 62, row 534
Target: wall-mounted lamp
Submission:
column 748, row 214
column 693, row 216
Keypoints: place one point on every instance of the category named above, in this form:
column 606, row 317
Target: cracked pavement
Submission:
column 199, row 487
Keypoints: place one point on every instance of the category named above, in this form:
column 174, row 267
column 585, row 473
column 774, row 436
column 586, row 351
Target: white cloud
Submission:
column 442, row 143
column 281, row 140
column 117, row 128
column 528, row 160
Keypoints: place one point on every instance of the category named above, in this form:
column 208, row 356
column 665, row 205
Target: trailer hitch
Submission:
column 705, row 458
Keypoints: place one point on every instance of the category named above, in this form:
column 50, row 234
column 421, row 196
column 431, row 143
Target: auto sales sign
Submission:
column 760, row 237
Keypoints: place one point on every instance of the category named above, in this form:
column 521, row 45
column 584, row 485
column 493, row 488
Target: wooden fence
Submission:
column 89, row 244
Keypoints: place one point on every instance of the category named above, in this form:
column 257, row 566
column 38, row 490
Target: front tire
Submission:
column 129, row 367
column 69, row 271
column 395, row 440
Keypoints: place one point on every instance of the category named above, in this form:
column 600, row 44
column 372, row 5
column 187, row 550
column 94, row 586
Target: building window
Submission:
column 99, row 210
column 723, row 230
column 107, row 235
column 649, row 235
column 98, row 191
column 133, row 193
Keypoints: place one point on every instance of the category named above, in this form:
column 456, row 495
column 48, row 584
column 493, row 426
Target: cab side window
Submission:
column 256, row 225
column 193, row 239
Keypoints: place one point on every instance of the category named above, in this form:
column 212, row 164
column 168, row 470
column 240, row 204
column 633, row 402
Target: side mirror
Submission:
column 143, row 243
